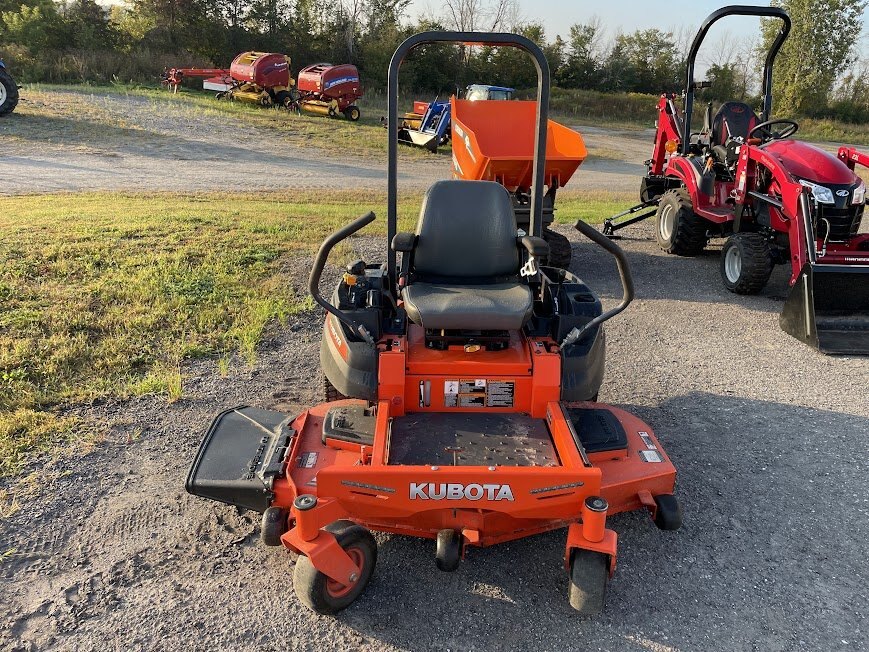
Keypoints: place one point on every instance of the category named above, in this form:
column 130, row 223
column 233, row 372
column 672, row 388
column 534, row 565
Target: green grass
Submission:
column 105, row 295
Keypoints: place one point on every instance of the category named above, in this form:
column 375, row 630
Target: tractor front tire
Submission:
column 560, row 250
column 678, row 229
column 589, row 572
column 746, row 263
column 324, row 595
column 8, row 93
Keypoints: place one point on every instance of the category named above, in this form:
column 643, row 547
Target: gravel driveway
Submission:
column 769, row 438
column 142, row 144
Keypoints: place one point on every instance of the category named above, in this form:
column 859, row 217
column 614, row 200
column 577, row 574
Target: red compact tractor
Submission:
column 461, row 398
column 774, row 199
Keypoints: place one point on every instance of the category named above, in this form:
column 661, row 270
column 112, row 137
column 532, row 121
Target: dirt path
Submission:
column 140, row 144
column 768, row 436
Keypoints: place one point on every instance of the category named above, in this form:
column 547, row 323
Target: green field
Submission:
column 106, row 295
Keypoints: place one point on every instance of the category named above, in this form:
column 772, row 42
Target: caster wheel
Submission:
column 589, row 572
column 449, row 550
column 669, row 513
column 321, row 593
column 274, row 525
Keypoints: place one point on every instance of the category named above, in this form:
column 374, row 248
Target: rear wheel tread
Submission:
column 11, row 93
column 688, row 237
column 560, row 250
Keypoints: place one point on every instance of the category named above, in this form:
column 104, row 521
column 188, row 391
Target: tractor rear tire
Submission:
column 8, row 93
column 589, row 572
column 678, row 229
column 560, row 250
column 330, row 392
column 746, row 263
column 324, row 595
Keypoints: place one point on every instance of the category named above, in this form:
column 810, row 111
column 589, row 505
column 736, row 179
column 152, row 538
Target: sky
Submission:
column 628, row 15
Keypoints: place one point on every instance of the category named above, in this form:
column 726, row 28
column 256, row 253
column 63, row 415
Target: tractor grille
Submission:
column 844, row 222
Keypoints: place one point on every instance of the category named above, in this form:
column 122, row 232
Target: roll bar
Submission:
column 467, row 38
column 711, row 19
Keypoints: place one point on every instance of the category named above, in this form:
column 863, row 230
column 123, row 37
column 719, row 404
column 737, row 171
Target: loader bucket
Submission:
column 828, row 309
column 419, row 138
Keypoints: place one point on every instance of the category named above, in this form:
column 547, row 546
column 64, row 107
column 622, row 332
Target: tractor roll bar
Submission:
column 735, row 10
column 467, row 38
column 317, row 270
column 600, row 239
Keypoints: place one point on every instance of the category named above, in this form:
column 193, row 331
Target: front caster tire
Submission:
column 746, row 263
column 589, row 573
column 449, row 550
column 668, row 515
column 678, row 229
column 560, row 250
column 324, row 595
column 274, row 525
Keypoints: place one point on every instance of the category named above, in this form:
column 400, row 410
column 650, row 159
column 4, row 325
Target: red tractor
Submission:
column 774, row 199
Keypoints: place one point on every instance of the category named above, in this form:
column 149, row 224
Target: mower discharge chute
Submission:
column 774, row 199
column 464, row 382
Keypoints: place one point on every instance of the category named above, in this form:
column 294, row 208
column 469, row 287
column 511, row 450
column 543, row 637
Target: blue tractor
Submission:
column 431, row 128
column 8, row 91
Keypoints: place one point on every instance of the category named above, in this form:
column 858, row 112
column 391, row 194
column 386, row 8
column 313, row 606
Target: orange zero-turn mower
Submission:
column 464, row 382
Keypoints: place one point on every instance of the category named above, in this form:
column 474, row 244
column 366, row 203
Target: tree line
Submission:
column 79, row 40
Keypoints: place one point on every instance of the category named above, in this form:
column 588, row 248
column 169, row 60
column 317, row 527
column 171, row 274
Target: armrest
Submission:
column 536, row 247
column 404, row 242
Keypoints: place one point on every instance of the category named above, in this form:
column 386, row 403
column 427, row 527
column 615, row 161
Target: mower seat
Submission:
column 740, row 119
column 462, row 265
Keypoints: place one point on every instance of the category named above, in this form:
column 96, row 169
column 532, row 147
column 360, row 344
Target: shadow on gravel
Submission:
column 771, row 556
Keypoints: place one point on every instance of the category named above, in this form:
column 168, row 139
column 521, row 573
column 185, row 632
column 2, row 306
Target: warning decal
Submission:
column 651, row 456
column 479, row 392
column 308, row 460
column 647, row 440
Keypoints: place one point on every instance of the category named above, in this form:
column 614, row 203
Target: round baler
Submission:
column 261, row 78
column 328, row 89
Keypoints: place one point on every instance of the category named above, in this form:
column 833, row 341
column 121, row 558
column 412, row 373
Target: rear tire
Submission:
column 678, row 229
column 746, row 263
column 560, row 250
column 8, row 93
column 352, row 113
column 330, row 392
column 668, row 515
column 589, row 572
column 324, row 595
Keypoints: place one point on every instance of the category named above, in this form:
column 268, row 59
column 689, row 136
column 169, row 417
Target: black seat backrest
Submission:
column 466, row 232
column 740, row 119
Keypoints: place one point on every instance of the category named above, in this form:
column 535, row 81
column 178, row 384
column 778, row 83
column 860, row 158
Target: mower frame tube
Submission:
column 624, row 274
column 317, row 271
column 467, row 38
column 735, row 10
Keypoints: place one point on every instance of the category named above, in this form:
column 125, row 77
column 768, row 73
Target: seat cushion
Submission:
column 500, row 306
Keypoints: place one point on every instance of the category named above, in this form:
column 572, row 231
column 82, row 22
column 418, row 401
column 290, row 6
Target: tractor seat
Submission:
column 462, row 264
column 740, row 119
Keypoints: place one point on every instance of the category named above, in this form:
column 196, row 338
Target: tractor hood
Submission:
column 811, row 163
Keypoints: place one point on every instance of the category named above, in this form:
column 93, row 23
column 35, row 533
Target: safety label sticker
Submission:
column 651, row 456
column 647, row 440
column 479, row 392
column 308, row 460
